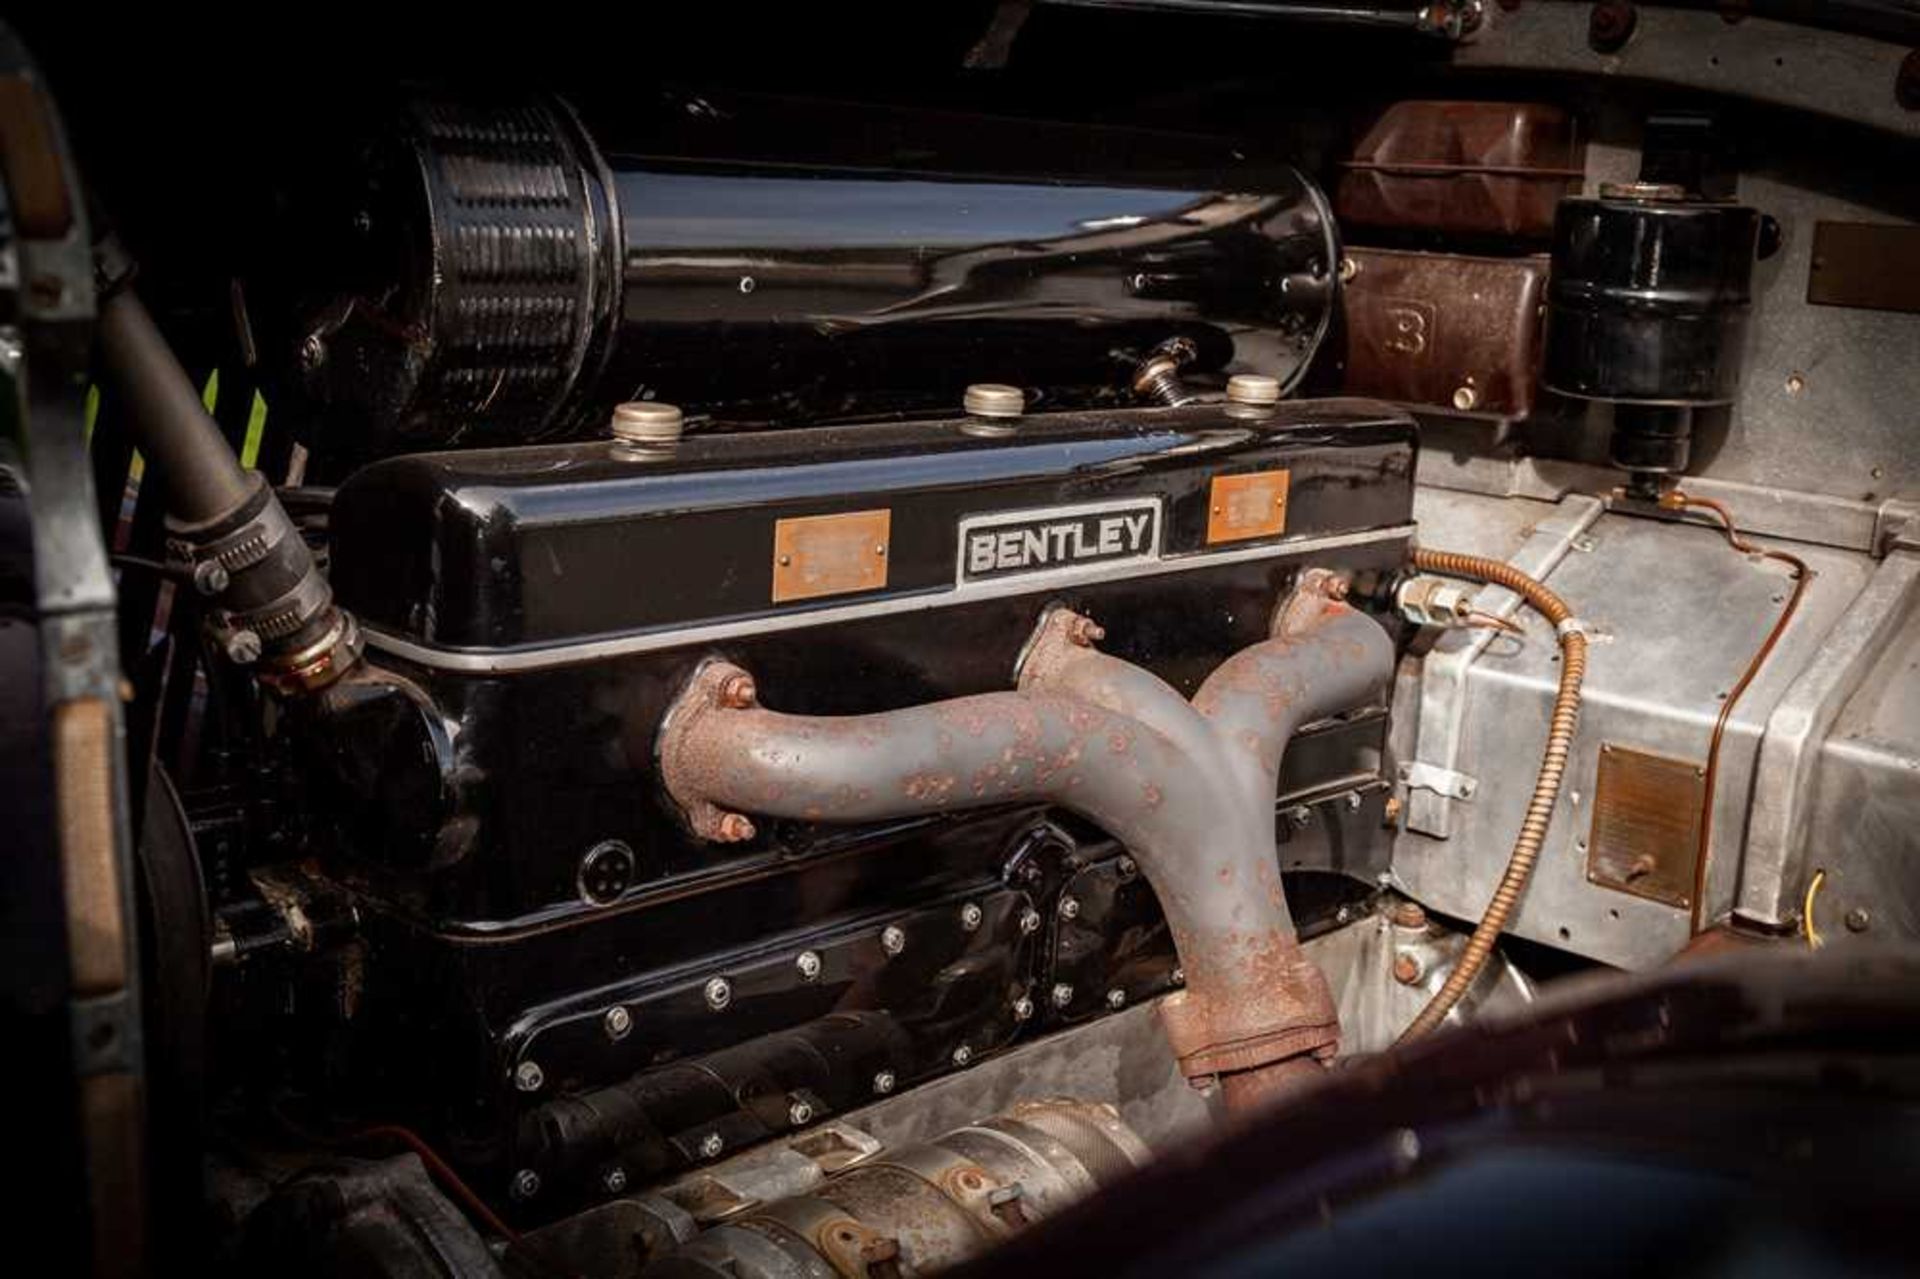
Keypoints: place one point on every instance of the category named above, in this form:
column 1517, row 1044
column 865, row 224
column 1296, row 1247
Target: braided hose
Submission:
column 1546, row 788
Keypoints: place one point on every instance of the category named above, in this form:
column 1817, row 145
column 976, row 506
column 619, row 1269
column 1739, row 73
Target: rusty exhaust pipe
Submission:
column 1188, row 787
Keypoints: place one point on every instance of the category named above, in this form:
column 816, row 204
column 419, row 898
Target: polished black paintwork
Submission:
column 493, row 272
column 463, row 805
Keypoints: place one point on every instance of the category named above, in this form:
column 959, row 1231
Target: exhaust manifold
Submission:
column 1187, row 786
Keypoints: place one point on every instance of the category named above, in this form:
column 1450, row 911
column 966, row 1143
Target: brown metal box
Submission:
column 1469, row 168
column 1445, row 331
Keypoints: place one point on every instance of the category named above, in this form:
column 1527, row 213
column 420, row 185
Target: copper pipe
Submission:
column 1546, row 788
column 1188, row 787
column 1675, row 500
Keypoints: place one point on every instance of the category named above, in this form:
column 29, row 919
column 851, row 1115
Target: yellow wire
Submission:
column 1807, row 929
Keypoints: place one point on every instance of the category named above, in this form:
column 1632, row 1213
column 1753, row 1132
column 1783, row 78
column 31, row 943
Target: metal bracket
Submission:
column 1441, row 781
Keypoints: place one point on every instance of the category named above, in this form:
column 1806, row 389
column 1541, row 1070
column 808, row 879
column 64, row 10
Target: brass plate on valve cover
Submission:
column 1646, row 824
column 816, row 555
column 1244, row 506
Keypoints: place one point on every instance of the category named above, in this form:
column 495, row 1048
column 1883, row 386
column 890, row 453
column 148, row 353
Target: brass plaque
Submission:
column 1646, row 824
column 1244, row 506
column 817, row 555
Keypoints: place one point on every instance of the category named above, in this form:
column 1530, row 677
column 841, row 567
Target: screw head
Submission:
column 526, row 1184
column 1062, row 995
column 1069, row 908
column 808, row 963
column 1116, row 998
column 719, row 993
column 606, row 872
column 970, row 916
column 711, row 1145
column 893, row 939
column 962, row 1055
column 1859, row 920
column 615, row 1181
column 883, row 1082
column 528, row 1077
column 243, row 648
column 800, row 1113
column 618, row 1022
column 210, row 577
column 1022, row 1009
column 1029, row 921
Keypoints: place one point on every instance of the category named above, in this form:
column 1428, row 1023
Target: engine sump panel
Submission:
column 634, row 999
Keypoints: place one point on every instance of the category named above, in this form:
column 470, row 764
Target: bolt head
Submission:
column 1127, row 867
column 1409, row 915
column 1300, row 815
column 1179, row 976
column 313, row 352
column 1354, row 801
column 734, row 828
column 1465, row 396
column 618, row 1022
column 893, row 939
column 1116, row 998
column 962, row 1055
column 1859, row 920
column 526, row 1184
column 883, row 1082
column 800, row 1113
column 528, row 1077
column 1406, row 969
column 1069, row 908
column 970, row 916
column 1022, row 1009
column 1085, row 632
column 719, row 993
column 711, row 1145
column 1062, row 995
column 738, row 691
column 1029, row 921
column 615, row 1181
column 808, row 964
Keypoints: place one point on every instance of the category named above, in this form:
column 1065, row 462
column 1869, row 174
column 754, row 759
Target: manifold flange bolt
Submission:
column 615, row 1181
column 1116, row 998
column 733, row 828
column 1069, row 908
column 711, row 1145
column 883, row 1082
column 1179, row 977
column 1029, row 921
column 1084, row 632
column 618, row 1022
column 1062, row 995
column 893, row 939
column 738, row 692
column 962, row 1055
column 970, row 916
column 719, row 993
column 808, row 963
column 528, row 1077
column 800, row 1113
column 1022, row 1009
column 526, row 1184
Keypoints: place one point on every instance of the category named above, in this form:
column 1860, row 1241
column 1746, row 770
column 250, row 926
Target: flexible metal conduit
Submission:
column 1188, row 787
column 1546, row 788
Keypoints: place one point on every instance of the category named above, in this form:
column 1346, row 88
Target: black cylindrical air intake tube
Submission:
column 509, row 271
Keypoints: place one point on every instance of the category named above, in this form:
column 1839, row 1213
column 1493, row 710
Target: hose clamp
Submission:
column 1573, row 626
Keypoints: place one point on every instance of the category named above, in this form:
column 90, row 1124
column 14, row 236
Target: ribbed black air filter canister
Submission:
column 504, row 273
column 1647, row 309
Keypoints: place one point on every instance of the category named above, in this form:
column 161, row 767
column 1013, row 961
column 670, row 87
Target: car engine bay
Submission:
column 1107, row 636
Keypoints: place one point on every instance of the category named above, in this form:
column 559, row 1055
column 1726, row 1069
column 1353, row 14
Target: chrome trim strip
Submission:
column 508, row 660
